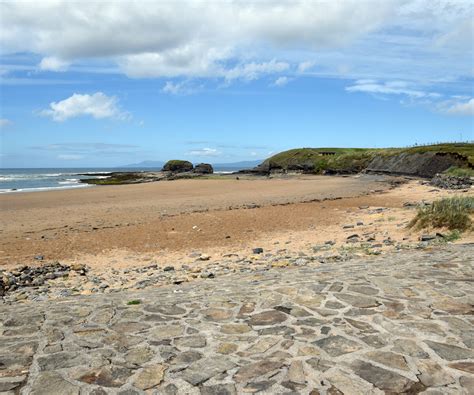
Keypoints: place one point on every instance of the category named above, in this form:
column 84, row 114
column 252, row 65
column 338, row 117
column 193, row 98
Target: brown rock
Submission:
column 150, row 377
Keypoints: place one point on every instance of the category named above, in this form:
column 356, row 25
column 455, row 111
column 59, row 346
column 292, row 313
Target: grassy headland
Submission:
column 354, row 160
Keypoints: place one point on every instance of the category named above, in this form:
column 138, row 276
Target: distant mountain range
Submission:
column 146, row 163
column 217, row 166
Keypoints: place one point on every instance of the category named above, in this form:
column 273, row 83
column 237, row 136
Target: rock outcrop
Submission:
column 203, row 168
column 426, row 164
column 178, row 166
column 450, row 182
column 425, row 161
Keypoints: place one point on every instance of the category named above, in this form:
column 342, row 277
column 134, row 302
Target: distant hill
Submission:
column 146, row 163
column 237, row 165
column 217, row 166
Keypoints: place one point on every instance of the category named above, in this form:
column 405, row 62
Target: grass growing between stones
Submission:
column 453, row 235
column 133, row 302
column 453, row 213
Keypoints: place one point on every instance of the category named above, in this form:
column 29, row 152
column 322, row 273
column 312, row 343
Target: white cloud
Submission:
column 192, row 59
column 69, row 157
column 97, row 105
column 459, row 38
column 281, row 81
column 186, row 38
column 180, row 88
column 390, row 88
column 305, row 66
column 4, row 123
column 53, row 64
column 252, row 71
column 204, row 152
column 417, row 40
column 460, row 108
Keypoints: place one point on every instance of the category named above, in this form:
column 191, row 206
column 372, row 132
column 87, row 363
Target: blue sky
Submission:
column 106, row 84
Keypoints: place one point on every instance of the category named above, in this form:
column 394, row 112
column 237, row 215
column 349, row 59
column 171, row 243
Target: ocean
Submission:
column 31, row 180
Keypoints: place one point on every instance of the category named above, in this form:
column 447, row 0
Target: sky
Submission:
column 96, row 83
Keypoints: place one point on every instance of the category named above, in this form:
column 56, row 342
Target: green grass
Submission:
column 465, row 149
column 354, row 159
column 453, row 235
column 451, row 213
column 178, row 165
column 133, row 302
column 459, row 172
column 115, row 179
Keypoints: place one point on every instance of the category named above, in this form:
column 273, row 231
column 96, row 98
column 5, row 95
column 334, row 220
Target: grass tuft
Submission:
column 453, row 235
column 452, row 213
column 460, row 172
column 133, row 302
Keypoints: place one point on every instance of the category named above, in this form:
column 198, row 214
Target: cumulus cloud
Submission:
column 417, row 40
column 460, row 108
column 189, row 37
column 4, row 123
column 97, row 105
column 193, row 59
column 53, row 64
column 204, row 152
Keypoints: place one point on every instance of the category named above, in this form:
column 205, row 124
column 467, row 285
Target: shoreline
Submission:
column 148, row 235
column 171, row 220
column 35, row 222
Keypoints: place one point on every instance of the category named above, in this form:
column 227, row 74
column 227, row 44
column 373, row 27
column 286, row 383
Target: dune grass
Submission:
column 459, row 172
column 453, row 213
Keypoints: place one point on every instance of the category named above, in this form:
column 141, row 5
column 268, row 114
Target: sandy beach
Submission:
column 134, row 224
column 161, row 216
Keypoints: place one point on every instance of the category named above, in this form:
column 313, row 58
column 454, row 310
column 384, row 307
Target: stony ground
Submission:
column 399, row 323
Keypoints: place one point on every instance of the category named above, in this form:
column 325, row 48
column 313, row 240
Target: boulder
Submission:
column 451, row 182
column 178, row 166
column 204, row 168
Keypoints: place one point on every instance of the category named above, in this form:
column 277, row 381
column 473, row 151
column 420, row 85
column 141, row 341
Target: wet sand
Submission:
column 172, row 222
column 169, row 216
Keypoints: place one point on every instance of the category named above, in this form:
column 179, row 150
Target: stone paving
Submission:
column 400, row 323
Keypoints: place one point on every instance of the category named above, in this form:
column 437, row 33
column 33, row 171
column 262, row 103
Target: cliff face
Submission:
column 425, row 164
column 425, row 161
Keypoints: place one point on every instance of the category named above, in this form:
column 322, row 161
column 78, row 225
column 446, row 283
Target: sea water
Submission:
column 31, row 180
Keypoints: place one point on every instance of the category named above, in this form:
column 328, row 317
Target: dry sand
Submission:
column 167, row 221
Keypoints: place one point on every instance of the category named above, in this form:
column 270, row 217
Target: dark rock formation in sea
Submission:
column 203, row 168
column 178, row 166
